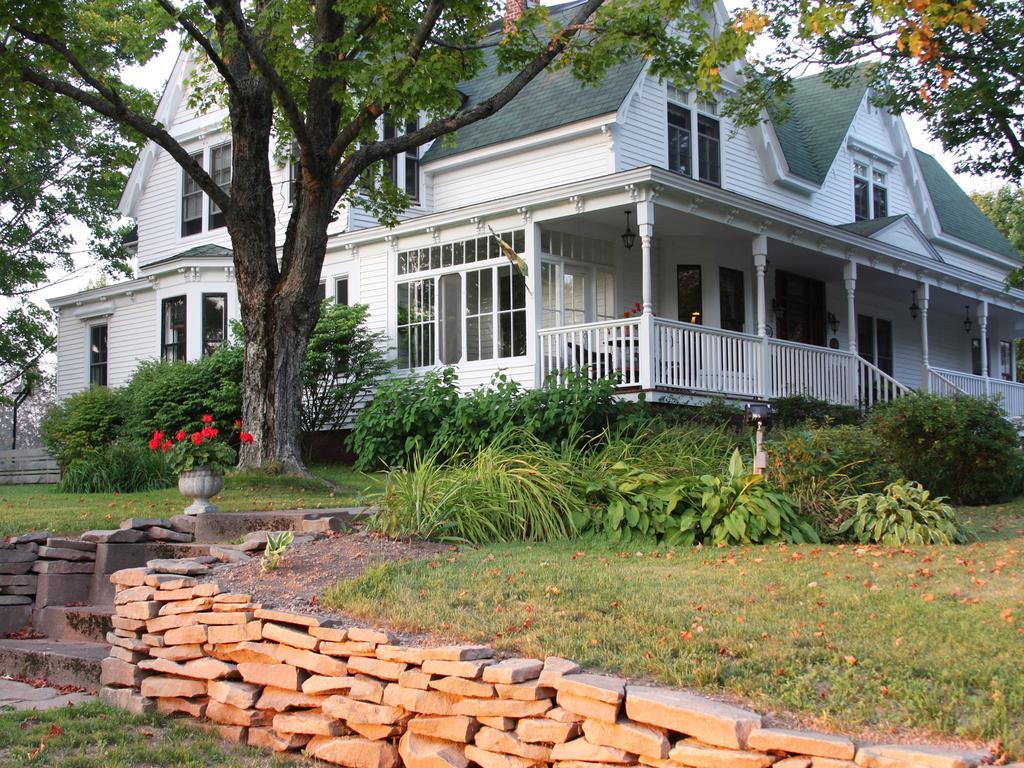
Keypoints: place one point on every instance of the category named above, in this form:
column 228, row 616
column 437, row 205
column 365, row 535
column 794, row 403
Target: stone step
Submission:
column 220, row 527
column 59, row 663
column 77, row 623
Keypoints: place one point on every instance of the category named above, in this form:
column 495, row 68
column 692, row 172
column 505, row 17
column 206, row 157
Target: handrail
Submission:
column 935, row 373
column 898, row 386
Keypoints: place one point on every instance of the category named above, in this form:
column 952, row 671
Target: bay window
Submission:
column 461, row 311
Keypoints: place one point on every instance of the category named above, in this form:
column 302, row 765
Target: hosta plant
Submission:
column 738, row 507
column 277, row 545
column 903, row 513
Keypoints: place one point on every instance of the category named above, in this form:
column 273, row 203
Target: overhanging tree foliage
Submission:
column 321, row 75
column 59, row 163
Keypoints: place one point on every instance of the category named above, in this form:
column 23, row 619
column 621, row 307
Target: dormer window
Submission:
column 686, row 121
column 404, row 168
column 870, row 193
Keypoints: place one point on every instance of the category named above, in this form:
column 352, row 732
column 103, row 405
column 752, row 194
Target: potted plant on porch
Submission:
column 200, row 459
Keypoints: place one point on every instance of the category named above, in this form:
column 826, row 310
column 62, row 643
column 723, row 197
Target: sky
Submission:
column 155, row 74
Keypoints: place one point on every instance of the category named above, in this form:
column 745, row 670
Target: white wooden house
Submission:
column 822, row 255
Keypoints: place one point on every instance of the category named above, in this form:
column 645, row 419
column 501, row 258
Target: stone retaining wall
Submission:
column 354, row 697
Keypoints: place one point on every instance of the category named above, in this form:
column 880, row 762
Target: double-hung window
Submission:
column 874, row 341
column 191, row 202
column 701, row 159
column 218, row 165
column 341, row 290
column 98, row 355
column 403, row 169
column 173, row 329
column 220, row 172
column 870, row 193
column 470, row 305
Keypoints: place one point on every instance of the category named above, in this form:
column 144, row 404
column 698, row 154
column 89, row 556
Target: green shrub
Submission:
column 161, row 394
column 403, row 418
column 343, row 361
column 818, row 467
column 83, row 422
column 904, row 513
column 124, row 467
column 427, row 415
column 735, row 508
column 961, row 446
column 798, row 410
column 516, row 489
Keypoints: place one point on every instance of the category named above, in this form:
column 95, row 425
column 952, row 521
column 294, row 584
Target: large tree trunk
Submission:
column 278, row 304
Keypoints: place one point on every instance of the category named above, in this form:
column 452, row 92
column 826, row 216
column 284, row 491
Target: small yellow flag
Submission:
column 510, row 253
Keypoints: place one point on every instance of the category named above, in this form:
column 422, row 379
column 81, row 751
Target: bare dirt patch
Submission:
column 308, row 569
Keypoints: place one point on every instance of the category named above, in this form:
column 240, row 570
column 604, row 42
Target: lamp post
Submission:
column 757, row 415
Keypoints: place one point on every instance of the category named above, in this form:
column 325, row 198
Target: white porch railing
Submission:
column 679, row 356
column 607, row 350
column 1010, row 394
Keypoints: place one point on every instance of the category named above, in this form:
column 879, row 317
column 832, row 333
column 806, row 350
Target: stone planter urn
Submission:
column 200, row 485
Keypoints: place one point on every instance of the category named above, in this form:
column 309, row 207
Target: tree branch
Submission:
column 110, row 105
column 201, row 40
column 296, row 119
column 360, row 160
column 351, row 131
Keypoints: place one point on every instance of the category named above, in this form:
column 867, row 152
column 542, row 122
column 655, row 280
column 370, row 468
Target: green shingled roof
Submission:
column 868, row 227
column 552, row 99
column 818, row 121
column 957, row 213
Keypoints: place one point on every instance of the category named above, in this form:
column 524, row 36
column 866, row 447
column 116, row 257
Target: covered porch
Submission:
column 702, row 306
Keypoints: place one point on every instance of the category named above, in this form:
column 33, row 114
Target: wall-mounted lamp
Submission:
column 915, row 310
column 629, row 236
column 833, row 322
column 967, row 318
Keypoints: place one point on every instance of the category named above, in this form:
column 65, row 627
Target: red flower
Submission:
column 181, row 435
column 196, row 438
column 209, row 432
column 165, row 446
column 207, row 419
column 238, row 423
column 245, row 437
column 154, row 441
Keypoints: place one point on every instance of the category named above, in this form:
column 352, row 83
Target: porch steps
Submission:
column 66, row 623
column 58, row 662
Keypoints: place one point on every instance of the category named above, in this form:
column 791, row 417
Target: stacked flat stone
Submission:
column 18, row 580
column 353, row 697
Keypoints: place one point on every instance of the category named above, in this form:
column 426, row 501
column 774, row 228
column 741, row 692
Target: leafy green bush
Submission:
column 124, row 467
column 818, row 467
column 904, row 513
column 403, row 418
column 516, row 489
column 427, row 415
column 83, row 422
column 961, row 446
column 735, row 508
column 161, row 394
column 343, row 361
column 798, row 410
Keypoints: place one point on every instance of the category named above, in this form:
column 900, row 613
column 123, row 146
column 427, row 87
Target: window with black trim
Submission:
column 976, row 367
column 220, row 172
column 709, row 154
column 98, row 355
column 173, row 329
column 215, row 321
column 688, row 119
column 870, row 193
column 679, row 146
column 341, row 290
column 731, row 299
column 689, row 294
column 874, row 341
column 191, row 202
column 403, row 169
column 321, row 291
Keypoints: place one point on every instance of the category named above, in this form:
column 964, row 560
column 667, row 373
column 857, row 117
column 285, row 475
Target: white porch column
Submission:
column 645, row 225
column 760, row 252
column 759, row 249
column 923, row 290
column 983, row 331
column 534, row 322
column 850, row 281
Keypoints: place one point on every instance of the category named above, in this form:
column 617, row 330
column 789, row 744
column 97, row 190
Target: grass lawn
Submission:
column 866, row 640
column 41, row 507
column 96, row 736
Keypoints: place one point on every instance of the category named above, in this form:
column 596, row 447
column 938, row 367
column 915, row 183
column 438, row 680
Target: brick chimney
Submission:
column 513, row 10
